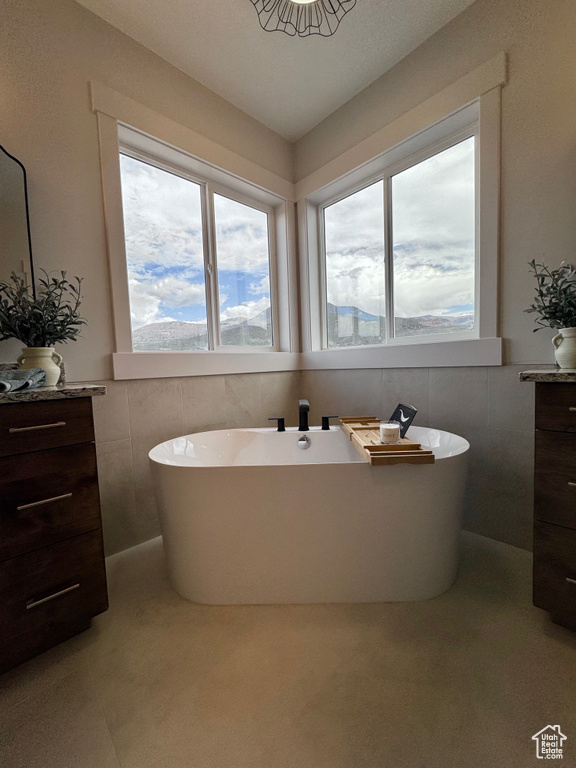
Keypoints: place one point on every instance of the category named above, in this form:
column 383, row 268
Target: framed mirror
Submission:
column 14, row 220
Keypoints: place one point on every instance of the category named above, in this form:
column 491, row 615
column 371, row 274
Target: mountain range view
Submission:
column 179, row 336
column 348, row 326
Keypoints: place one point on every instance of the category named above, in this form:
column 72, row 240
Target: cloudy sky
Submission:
column 433, row 240
column 164, row 249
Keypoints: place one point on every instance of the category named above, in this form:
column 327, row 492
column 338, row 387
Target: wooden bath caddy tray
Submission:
column 364, row 433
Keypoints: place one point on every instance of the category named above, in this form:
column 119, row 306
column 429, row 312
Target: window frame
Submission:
column 125, row 123
column 215, row 188
column 385, row 174
column 296, row 234
column 208, row 188
column 481, row 346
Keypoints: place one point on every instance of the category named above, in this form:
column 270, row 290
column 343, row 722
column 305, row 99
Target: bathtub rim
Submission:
column 155, row 459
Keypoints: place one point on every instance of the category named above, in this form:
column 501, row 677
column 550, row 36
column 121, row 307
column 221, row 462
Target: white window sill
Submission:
column 435, row 354
column 156, row 365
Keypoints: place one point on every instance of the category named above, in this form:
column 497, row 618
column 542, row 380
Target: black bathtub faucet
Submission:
column 326, row 422
column 303, row 410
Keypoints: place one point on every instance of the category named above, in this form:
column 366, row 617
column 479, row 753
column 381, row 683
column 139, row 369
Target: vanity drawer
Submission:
column 47, row 497
column 26, row 427
column 554, row 568
column 556, row 407
column 50, row 587
column 555, row 478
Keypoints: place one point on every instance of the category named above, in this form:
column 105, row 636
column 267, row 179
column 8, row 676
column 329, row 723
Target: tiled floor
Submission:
column 462, row 680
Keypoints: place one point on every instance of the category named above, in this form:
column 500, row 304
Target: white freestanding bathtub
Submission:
column 248, row 517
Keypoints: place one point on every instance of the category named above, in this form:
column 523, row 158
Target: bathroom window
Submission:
column 198, row 259
column 354, row 252
column 399, row 249
column 386, row 256
column 399, row 253
column 243, row 259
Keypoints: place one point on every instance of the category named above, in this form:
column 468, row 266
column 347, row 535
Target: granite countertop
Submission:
column 62, row 391
column 52, row 393
column 549, row 375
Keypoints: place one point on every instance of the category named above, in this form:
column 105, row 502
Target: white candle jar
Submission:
column 389, row 432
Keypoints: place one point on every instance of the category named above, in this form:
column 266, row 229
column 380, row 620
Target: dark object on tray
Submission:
column 404, row 415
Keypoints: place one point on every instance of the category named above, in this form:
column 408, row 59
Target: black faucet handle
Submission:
column 281, row 422
column 326, row 422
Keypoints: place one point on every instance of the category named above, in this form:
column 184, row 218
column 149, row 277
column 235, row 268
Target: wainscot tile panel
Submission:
column 111, row 415
column 479, row 457
column 510, row 402
column 458, row 398
column 487, row 406
column 203, row 401
column 343, row 393
column 243, row 399
column 503, row 498
column 117, row 499
column 147, row 519
column 406, row 385
column 280, row 394
column 511, row 481
column 155, row 415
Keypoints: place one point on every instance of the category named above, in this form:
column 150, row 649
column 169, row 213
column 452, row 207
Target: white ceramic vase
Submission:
column 565, row 347
column 42, row 357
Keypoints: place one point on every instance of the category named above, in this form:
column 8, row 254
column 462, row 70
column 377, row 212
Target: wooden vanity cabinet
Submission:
column 555, row 502
column 52, row 572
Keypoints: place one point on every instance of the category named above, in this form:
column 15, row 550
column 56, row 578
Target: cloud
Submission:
column 162, row 218
column 247, row 309
column 177, row 293
column 146, row 298
column 433, row 239
column 431, row 293
column 434, row 200
column 433, row 242
column 241, row 236
column 262, row 286
column 164, row 243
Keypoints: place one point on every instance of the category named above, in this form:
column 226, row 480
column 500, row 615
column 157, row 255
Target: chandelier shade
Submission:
column 302, row 17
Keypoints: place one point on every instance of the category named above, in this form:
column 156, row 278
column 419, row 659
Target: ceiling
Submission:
column 288, row 83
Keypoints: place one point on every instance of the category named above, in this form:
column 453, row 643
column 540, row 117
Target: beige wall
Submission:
column 474, row 402
column 134, row 416
column 538, row 136
column 49, row 51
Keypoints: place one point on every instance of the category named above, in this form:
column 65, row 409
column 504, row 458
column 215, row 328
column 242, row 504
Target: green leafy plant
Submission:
column 555, row 300
column 43, row 320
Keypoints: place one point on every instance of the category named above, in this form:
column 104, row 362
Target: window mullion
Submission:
column 323, row 297
column 210, row 271
column 388, row 258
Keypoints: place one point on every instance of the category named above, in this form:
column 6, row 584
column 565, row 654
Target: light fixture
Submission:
column 302, row 17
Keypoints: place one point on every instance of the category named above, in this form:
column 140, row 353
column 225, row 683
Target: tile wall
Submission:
column 134, row 416
column 488, row 406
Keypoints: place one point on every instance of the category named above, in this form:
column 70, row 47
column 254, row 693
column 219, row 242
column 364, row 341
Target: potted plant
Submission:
column 555, row 302
column 40, row 321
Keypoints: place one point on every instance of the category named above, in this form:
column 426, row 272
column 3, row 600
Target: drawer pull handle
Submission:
column 570, row 581
column 38, row 426
column 34, row 603
column 572, row 408
column 44, row 501
column 572, row 485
